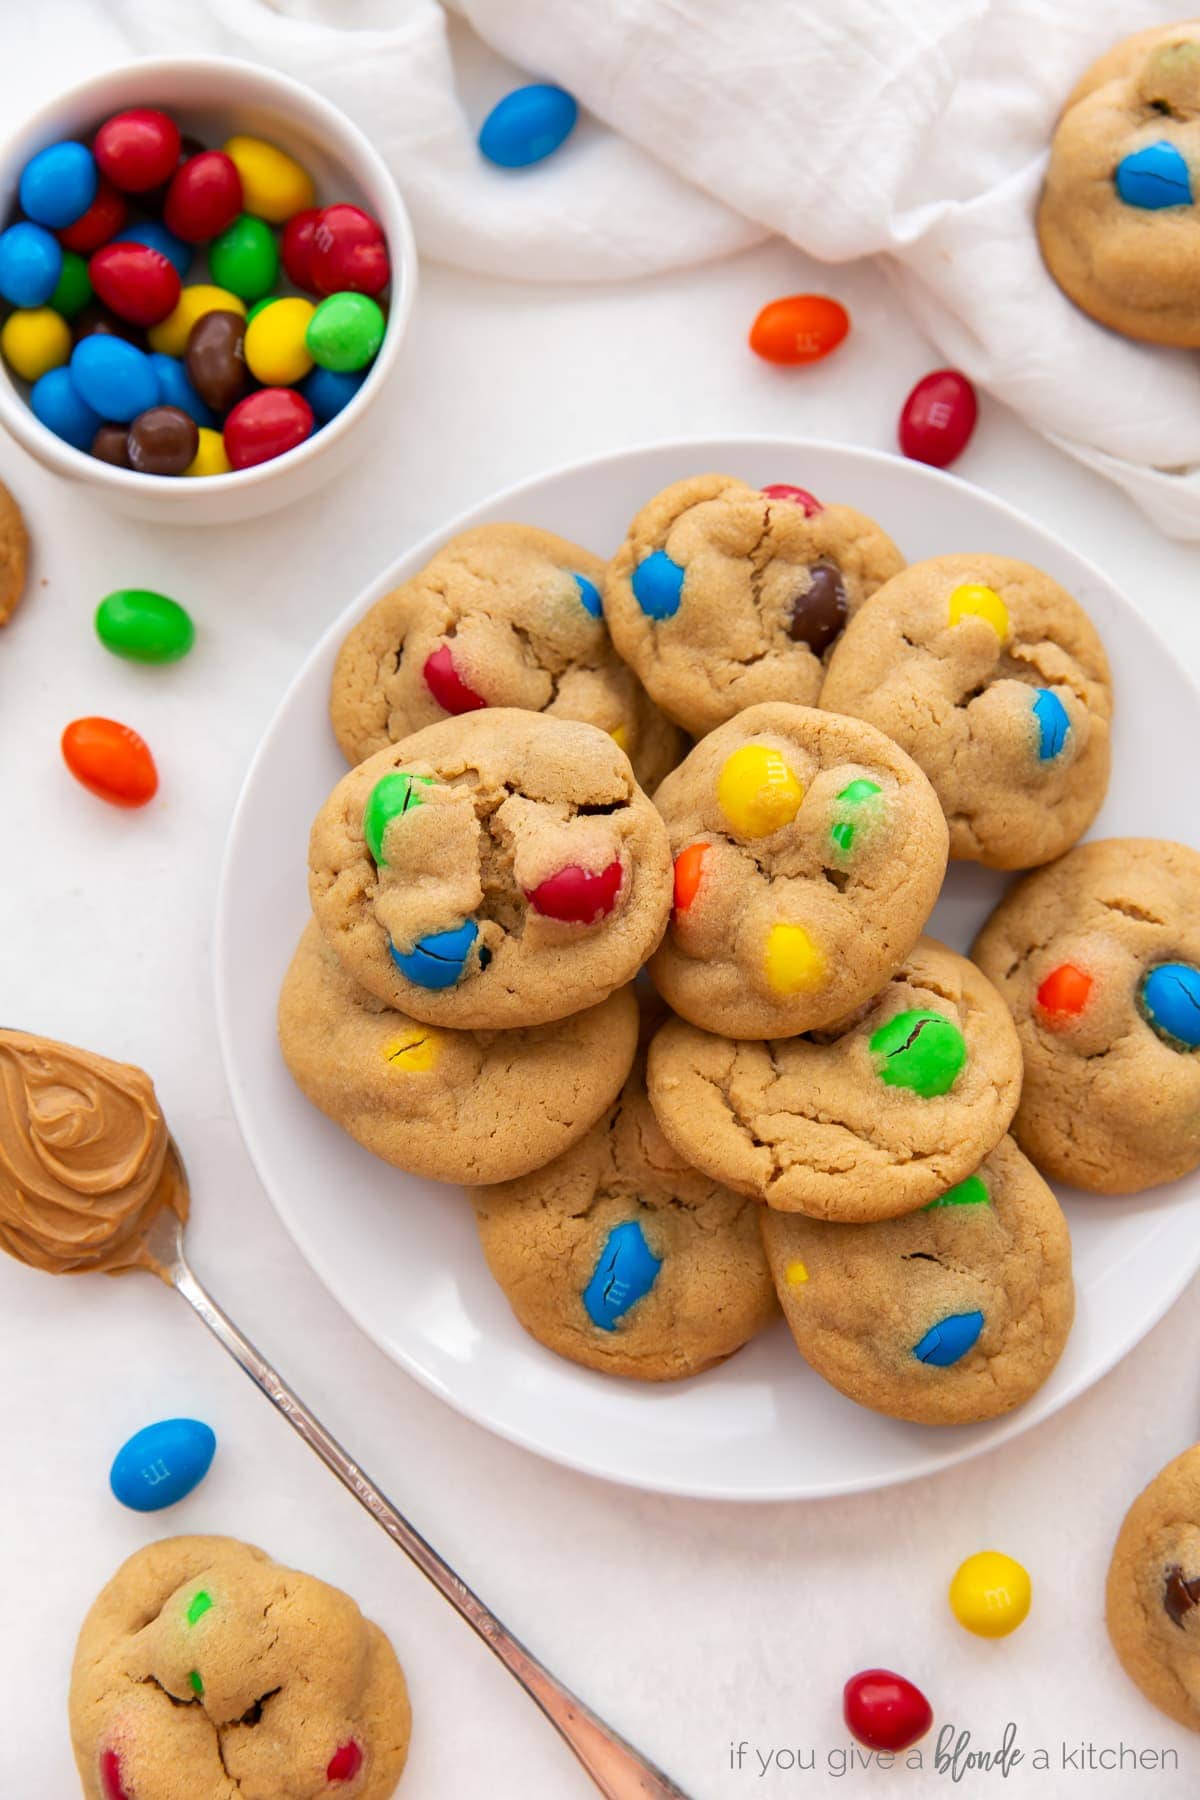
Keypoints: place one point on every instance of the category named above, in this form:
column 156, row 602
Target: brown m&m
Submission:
column 1180, row 1596
column 216, row 361
column 163, row 440
column 819, row 613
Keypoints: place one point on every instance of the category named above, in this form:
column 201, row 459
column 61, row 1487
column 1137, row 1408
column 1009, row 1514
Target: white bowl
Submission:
column 212, row 97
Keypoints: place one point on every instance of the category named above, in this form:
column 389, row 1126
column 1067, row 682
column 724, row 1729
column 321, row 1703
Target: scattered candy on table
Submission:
column 937, row 419
column 991, row 1594
column 162, row 1463
column 804, row 328
column 111, row 761
column 885, row 1711
column 527, row 125
column 95, row 271
column 144, row 626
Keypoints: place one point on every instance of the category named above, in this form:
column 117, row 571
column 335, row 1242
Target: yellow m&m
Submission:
column 757, row 791
column 34, row 340
column 794, row 963
column 170, row 336
column 620, row 738
column 276, row 353
column 974, row 600
column 416, row 1050
column 274, row 186
column 210, row 457
column 795, row 1274
column 991, row 1594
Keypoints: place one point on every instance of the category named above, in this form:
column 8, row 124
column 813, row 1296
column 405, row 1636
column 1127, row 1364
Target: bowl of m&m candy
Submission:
column 205, row 276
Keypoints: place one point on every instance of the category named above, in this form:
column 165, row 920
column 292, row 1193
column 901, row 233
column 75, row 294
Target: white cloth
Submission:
column 911, row 130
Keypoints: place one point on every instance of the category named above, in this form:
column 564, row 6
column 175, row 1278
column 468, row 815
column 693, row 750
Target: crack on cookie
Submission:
column 1132, row 910
column 154, row 1682
column 254, row 1712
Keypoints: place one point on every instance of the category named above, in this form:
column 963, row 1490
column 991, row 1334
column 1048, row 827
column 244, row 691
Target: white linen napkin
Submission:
column 911, row 130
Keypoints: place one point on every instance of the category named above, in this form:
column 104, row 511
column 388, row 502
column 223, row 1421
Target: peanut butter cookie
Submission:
column 1154, row 1591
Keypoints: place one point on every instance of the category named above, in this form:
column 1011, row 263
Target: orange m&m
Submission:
column 689, row 866
column 802, row 328
column 1063, row 995
column 111, row 761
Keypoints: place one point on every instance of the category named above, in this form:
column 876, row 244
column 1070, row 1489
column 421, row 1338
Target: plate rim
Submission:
column 959, row 1449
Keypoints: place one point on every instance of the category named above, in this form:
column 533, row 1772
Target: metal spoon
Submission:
column 615, row 1766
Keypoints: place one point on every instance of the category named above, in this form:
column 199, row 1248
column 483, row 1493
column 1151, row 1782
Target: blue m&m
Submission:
column 626, row 1271
column 658, row 585
column 56, row 401
column 59, row 184
column 438, row 960
column 175, row 389
column 30, row 264
column 589, row 595
column 527, row 125
column 329, row 390
column 1170, row 1001
column 1154, row 177
column 116, row 379
column 1053, row 723
column 948, row 1341
column 162, row 1463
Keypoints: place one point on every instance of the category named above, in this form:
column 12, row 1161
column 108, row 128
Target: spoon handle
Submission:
column 615, row 1766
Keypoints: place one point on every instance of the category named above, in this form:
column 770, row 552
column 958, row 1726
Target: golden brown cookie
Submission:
column 504, row 615
column 466, row 1106
column 496, row 870
column 1098, row 960
column 955, row 1313
column 14, row 554
column 866, row 1120
column 1153, row 1600
column 994, row 681
column 808, row 853
column 1117, row 221
column 722, row 597
column 206, row 1670
column 619, row 1256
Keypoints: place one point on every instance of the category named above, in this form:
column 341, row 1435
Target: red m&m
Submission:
column 779, row 490
column 134, row 281
column 204, row 198
column 938, row 418
column 447, row 685
column 345, row 1762
column 265, row 425
column 349, row 253
column 111, row 1782
column 102, row 220
column 577, row 896
column 1062, row 996
column 884, row 1710
column 138, row 149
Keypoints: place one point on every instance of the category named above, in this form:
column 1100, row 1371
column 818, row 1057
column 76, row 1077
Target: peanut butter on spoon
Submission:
column 86, row 1161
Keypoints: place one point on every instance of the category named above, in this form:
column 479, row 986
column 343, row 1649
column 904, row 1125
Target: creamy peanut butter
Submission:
column 85, row 1158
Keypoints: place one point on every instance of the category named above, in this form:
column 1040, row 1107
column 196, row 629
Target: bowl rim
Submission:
column 22, row 422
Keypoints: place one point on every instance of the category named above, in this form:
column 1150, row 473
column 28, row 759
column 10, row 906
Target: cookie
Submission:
column 619, row 1256
column 14, row 555
column 1098, row 960
column 994, row 681
column 496, row 870
column 867, row 1120
column 465, row 1106
column 1117, row 220
column 723, row 596
column 205, row 1669
column 1153, row 1600
column 955, row 1313
column 808, row 852
column 504, row 615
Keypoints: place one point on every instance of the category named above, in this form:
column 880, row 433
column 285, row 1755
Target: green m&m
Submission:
column 345, row 332
column 245, row 258
column 144, row 626
column 394, row 793
column 74, row 287
column 919, row 1050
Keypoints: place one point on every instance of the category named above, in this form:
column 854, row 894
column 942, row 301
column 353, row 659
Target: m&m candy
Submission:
column 175, row 388
column 161, row 1464
column 658, row 585
column 438, row 959
column 990, row 1594
column 920, row 1050
column 34, row 340
column 937, row 419
column 210, row 457
column 1169, row 998
column 528, row 125
column 348, row 253
column 31, row 261
column 170, row 337
column 344, row 333
column 163, row 440
column 57, row 402
column 884, row 1710
column 758, row 791
column 975, row 600
column 58, row 184
column 111, row 761
column 804, row 328
column 204, row 198
column 345, row 1762
column 276, row 350
column 780, row 490
column 689, row 867
column 447, row 686
column 578, row 896
column 328, row 391
column 1154, row 177
column 73, row 289
column 137, row 149
column 154, row 234
column 135, row 281
column 102, row 220
column 266, row 424
column 115, row 378
column 216, row 359
column 144, row 626
column 274, row 185
column 624, row 1274
column 245, row 258
column 296, row 247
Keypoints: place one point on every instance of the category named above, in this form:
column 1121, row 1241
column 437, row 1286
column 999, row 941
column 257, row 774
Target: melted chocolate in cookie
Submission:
column 1180, row 1596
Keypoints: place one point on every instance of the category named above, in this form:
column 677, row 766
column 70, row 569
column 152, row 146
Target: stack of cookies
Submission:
column 812, row 1105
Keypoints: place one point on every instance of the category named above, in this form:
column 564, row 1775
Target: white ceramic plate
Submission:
column 401, row 1254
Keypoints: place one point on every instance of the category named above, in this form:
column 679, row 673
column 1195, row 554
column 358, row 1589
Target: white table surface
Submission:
column 690, row 1625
